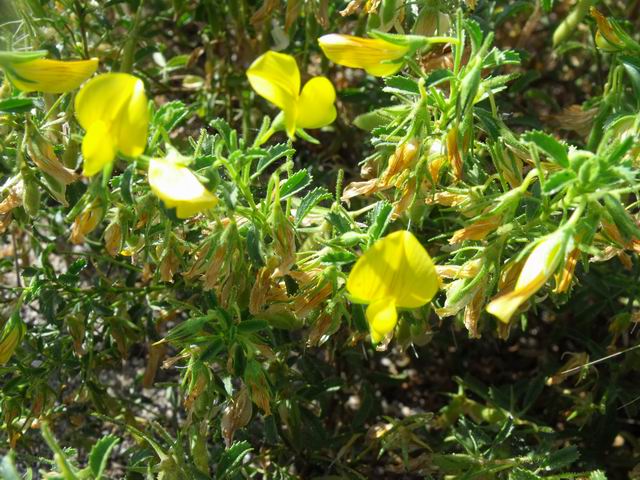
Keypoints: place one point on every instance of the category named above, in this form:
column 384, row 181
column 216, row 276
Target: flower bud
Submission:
column 453, row 153
column 11, row 336
column 607, row 39
column 541, row 264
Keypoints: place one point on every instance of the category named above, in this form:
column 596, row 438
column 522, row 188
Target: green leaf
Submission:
column 100, row 454
column 170, row 115
column 489, row 124
column 616, row 155
column 270, row 155
column 251, row 326
column 310, row 200
column 380, row 218
column 469, row 87
column 561, row 459
column 296, row 182
column 231, row 459
column 547, row 5
column 627, row 226
column 632, row 67
column 475, row 34
column 211, row 350
column 497, row 58
column 381, row 117
column 597, row 475
column 340, row 221
column 558, row 181
column 549, row 145
column 177, row 61
column 126, row 182
column 400, row 84
column 68, row 470
column 76, row 267
column 228, row 135
column 187, row 329
column 254, row 246
column 338, row 258
column 437, row 77
column 16, row 105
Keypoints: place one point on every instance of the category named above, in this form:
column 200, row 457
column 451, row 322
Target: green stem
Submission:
column 126, row 65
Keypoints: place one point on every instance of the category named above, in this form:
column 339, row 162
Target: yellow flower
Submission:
column 275, row 76
column 540, row 265
column 378, row 57
column 31, row 73
column 178, row 187
column 396, row 272
column 113, row 110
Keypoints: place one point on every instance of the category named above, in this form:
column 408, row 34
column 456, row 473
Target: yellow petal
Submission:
column 540, row 265
column 118, row 103
column 275, row 77
column 98, row 149
column 396, row 267
column 542, row 261
column 315, row 106
column 382, row 317
column 371, row 54
column 178, row 187
column 505, row 306
column 50, row 76
column 103, row 97
column 133, row 122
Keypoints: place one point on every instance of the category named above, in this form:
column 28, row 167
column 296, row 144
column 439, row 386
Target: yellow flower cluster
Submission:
column 394, row 273
column 112, row 108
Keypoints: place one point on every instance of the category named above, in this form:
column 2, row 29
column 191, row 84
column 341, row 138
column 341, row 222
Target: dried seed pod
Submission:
column 113, row 238
column 236, row 415
column 76, row 327
column 86, row 223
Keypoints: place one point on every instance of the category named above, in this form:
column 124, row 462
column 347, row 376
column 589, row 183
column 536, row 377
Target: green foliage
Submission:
column 135, row 344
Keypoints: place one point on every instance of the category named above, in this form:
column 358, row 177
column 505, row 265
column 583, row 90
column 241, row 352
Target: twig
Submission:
column 15, row 258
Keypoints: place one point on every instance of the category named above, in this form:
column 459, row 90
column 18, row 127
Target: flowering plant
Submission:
column 319, row 239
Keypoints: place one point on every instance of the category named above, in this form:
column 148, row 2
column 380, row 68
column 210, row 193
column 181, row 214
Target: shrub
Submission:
column 319, row 240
